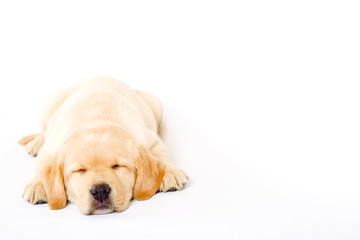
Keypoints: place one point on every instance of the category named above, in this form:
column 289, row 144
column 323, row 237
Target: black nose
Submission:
column 100, row 192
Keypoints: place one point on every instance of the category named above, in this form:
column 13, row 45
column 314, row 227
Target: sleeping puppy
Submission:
column 98, row 147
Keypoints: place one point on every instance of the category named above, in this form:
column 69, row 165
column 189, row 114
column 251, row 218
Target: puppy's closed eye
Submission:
column 117, row 166
column 80, row 170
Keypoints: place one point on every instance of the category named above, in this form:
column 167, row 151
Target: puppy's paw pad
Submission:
column 35, row 193
column 174, row 179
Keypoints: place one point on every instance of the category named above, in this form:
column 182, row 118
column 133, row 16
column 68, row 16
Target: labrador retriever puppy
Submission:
column 99, row 147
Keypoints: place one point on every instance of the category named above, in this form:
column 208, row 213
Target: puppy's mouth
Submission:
column 102, row 208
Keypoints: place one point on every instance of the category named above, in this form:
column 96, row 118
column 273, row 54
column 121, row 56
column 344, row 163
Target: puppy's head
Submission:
column 101, row 170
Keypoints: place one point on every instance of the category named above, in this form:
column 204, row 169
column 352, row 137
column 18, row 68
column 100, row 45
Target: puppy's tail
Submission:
column 27, row 139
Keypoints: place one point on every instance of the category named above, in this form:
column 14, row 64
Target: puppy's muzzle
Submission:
column 100, row 192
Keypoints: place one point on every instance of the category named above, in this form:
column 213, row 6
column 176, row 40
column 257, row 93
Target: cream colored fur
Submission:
column 94, row 132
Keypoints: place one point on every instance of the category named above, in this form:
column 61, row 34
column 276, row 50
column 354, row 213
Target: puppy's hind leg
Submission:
column 33, row 143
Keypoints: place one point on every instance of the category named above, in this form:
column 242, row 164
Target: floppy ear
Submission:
column 54, row 185
column 150, row 173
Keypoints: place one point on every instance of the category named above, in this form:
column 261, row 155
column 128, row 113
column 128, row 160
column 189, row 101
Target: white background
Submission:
column 261, row 106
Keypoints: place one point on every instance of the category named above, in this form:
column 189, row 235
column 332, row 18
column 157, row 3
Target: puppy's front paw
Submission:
column 174, row 179
column 35, row 193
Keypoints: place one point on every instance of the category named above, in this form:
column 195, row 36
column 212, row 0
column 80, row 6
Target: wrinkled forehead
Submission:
column 97, row 157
